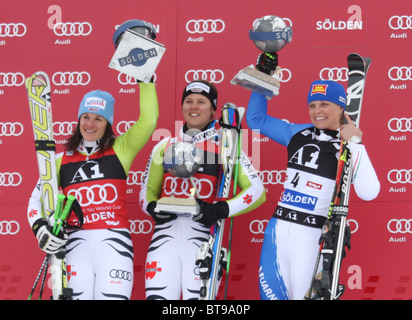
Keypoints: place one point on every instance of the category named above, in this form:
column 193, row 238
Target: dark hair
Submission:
column 104, row 143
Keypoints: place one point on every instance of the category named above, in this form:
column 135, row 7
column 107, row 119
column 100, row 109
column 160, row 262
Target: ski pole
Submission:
column 65, row 212
column 58, row 211
column 42, row 267
column 229, row 246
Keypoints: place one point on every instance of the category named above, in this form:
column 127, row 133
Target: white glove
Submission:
column 48, row 242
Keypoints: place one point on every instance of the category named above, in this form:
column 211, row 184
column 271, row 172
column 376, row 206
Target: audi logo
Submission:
column 334, row 74
column 64, row 128
column 9, row 227
column 123, row 126
column 10, row 179
column 215, row 76
column 125, row 79
column 11, row 79
column 258, row 226
column 121, row 274
column 8, row 129
column 12, row 29
column 400, row 124
column 71, row 78
column 272, row 177
column 178, row 186
column 399, row 226
column 96, row 194
column 72, row 29
column 400, row 176
column 400, row 73
column 205, row 26
column 134, row 178
column 140, row 226
column 400, row 22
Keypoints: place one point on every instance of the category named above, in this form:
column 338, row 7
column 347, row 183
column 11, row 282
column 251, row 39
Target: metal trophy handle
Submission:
column 270, row 34
column 182, row 159
column 137, row 54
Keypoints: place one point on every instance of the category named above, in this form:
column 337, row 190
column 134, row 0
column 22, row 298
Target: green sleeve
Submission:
column 128, row 145
column 152, row 181
column 252, row 193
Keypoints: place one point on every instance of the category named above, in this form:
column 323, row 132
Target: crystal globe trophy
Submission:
column 270, row 34
column 182, row 159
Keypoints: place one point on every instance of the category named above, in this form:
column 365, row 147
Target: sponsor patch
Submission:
column 319, row 88
column 95, row 102
column 299, row 200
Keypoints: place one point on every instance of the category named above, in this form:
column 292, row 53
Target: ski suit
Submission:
column 290, row 244
column 171, row 271
column 99, row 256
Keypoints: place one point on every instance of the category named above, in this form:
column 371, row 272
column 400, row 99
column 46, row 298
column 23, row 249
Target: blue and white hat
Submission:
column 327, row 90
column 99, row 102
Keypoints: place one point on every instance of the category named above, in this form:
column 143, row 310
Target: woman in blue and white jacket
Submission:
column 290, row 245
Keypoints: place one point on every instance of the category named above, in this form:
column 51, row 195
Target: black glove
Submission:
column 267, row 62
column 210, row 213
column 159, row 217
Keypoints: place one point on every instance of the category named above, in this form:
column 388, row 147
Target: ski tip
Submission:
column 39, row 80
column 357, row 56
column 229, row 105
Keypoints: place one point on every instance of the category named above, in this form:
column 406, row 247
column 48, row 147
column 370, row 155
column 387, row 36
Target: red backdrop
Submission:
column 210, row 39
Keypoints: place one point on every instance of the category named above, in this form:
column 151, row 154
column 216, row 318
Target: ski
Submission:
column 336, row 234
column 38, row 91
column 212, row 256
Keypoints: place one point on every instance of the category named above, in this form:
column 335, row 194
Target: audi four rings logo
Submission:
column 64, row 128
column 72, row 29
column 10, row 179
column 96, row 194
column 399, row 226
column 400, row 22
column 123, row 126
column 400, row 73
column 71, row 78
column 134, row 178
column 12, row 29
column 400, row 125
column 203, row 186
column 272, row 177
column 334, row 74
column 8, row 129
column 205, row 26
column 258, row 226
column 9, row 227
column 125, row 79
column 140, row 226
column 11, row 79
column 121, row 274
column 400, row 176
column 215, row 76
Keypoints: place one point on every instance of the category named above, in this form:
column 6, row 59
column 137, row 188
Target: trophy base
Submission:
column 178, row 206
column 137, row 56
column 255, row 80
